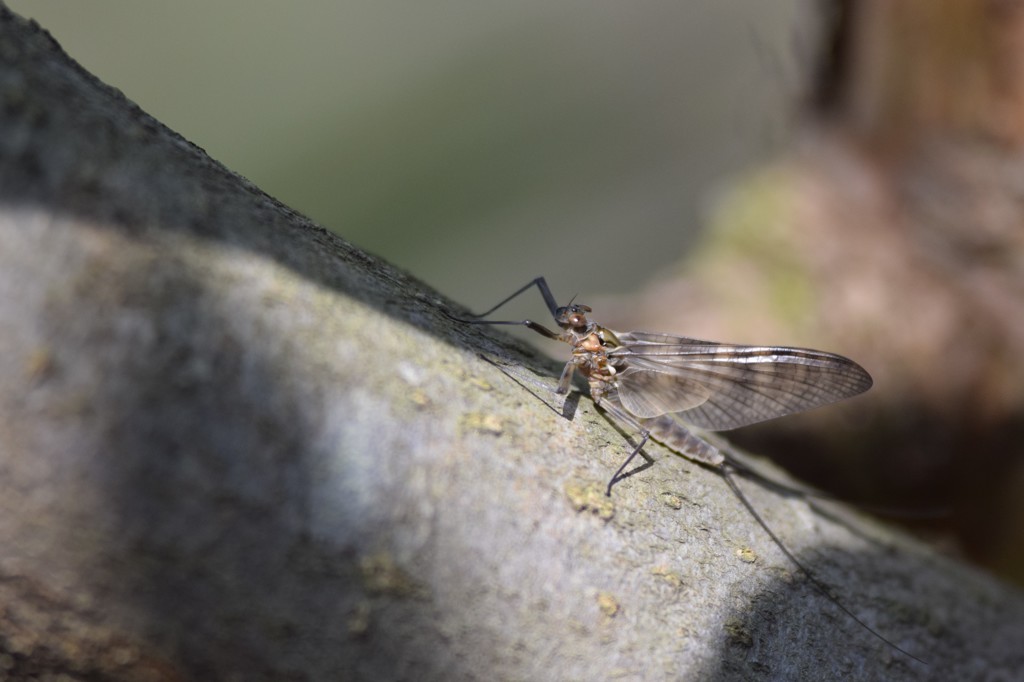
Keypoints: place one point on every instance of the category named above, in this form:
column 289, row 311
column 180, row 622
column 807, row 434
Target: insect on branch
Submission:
column 652, row 384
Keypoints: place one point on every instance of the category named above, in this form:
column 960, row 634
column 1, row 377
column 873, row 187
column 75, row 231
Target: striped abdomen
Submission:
column 671, row 433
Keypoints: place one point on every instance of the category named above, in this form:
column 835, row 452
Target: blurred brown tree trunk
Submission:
column 893, row 232
column 897, row 73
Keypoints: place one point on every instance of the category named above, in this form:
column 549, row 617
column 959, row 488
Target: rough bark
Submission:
column 234, row 446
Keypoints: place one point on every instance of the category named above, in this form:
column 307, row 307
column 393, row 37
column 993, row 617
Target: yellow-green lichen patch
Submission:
column 590, row 497
column 608, row 605
column 484, row 422
column 746, row 555
column 481, row 383
column 668, row 575
column 382, row 575
column 40, row 363
column 672, row 501
column 738, row 633
column 419, row 398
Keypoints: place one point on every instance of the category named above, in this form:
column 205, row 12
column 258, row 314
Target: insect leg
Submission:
column 542, row 286
column 549, row 299
column 610, row 406
column 539, row 328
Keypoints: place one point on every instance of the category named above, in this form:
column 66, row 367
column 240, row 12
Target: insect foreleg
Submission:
column 535, row 326
column 549, row 299
column 541, row 285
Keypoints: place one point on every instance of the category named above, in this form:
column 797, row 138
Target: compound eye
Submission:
column 577, row 319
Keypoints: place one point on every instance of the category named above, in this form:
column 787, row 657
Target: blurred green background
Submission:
column 476, row 144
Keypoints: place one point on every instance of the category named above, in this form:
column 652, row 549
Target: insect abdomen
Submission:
column 671, row 433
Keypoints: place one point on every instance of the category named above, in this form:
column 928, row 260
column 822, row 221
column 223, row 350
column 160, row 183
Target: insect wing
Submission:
column 721, row 386
column 648, row 390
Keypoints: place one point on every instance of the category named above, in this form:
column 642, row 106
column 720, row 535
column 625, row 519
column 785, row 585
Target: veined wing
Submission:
column 722, row 386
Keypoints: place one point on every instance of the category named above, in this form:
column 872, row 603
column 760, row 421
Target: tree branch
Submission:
column 233, row 444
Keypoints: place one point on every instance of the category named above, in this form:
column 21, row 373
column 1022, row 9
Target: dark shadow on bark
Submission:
column 788, row 613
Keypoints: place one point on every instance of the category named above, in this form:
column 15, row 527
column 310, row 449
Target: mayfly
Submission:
column 649, row 382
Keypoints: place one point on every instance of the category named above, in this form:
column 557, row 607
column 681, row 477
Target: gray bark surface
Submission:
column 233, row 446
